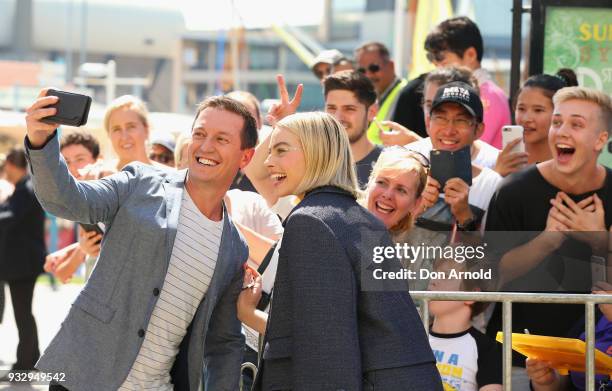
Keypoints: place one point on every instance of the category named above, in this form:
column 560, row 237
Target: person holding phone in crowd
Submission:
column 336, row 331
column 153, row 321
column 81, row 151
column 533, row 111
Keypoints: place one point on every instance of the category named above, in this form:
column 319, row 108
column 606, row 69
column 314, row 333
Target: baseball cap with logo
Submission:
column 462, row 94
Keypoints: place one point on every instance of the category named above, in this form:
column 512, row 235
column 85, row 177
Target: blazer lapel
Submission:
column 222, row 275
column 174, row 187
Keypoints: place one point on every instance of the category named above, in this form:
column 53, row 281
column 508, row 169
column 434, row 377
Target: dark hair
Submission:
column 353, row 81
column 447, row 75
column 249, row 130
column 455, row 35
column 549, row 84
column 87, row 140
column 17, row 157
column 379, row 47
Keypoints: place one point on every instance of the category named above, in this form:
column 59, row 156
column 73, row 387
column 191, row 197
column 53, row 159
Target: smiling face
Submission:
column 392, row 195
column 215, row 152
column 354, row 115
column 534, row 112
column 286, row 162
column 128, row 134
column 451, row 127
column 576, row 137
column 77, row 157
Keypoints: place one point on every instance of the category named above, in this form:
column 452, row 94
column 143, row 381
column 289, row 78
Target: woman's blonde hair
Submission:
column 182, row 140
column 127, row 102
column 398, row 160
column 327, row 151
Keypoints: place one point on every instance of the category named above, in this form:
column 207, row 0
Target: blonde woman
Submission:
column 393, row 193
column 329, row 327
column 127, row 125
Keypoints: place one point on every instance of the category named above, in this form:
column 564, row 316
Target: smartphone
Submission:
column 92, row 227
column 511, row 133
column 451, row 164
column 72, row 109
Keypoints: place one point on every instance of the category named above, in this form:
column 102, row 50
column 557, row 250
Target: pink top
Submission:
column 496, row 109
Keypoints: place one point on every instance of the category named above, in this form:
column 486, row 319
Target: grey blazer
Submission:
column 332, row 326
column 100, row 339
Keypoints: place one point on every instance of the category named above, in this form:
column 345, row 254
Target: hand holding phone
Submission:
column 71, row 109
column 451, row 164
column 511, row 133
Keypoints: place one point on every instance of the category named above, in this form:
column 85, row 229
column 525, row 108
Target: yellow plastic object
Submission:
column 564, row 354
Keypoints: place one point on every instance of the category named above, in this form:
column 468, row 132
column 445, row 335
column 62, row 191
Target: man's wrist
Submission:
column 38, row 144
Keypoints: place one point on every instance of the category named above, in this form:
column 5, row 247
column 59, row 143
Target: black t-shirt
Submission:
column 365, row 165
column 408, row 109
column 521, row 204
column 468, row 360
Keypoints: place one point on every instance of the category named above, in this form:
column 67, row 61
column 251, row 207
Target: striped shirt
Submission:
column 190, row 271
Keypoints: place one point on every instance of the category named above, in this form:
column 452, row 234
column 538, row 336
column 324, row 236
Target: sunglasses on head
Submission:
column 373, row 68
column 418, row 156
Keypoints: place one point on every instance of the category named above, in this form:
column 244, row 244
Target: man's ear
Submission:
column 372, row 111
column 479, row 130
column 247, row 155
column 602, row 141
column 470, row 57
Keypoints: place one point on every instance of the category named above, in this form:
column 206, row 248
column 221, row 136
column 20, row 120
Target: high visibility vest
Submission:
column 383, row 111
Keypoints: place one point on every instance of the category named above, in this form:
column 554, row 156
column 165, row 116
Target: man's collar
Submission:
column 387, row 91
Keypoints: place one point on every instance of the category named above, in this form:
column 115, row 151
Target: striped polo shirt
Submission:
column 190, row 271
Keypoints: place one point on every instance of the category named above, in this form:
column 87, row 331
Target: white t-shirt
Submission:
column 487, row 155
column 190, row 271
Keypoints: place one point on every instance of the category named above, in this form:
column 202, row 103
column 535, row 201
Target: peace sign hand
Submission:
column 285, row 107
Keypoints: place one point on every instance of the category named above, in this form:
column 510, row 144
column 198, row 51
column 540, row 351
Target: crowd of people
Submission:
column 254, row 226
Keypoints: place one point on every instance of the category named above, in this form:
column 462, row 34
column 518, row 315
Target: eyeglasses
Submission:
column 373, row 68
column 434, row 57
column 458, row 123
column 161, row 158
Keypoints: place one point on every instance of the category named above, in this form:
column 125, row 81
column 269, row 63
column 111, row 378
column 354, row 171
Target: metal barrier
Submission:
column 507, row 298
column 247, row 366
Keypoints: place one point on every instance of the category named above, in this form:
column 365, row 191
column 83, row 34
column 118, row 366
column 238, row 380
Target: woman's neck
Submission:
column 538, row 152
column 124, row 162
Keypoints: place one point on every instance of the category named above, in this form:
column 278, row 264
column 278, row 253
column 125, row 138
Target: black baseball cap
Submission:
column 462, row 94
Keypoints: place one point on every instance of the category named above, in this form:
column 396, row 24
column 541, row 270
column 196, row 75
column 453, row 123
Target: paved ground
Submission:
column 50, row 309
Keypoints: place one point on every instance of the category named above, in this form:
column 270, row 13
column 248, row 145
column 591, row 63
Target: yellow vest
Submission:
column 383, row 111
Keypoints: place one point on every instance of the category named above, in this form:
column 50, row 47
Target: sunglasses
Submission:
column 161, row 158
column 372, row 68
column 418, row 156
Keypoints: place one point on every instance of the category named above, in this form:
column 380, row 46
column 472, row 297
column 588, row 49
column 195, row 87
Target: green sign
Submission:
column 581, row 39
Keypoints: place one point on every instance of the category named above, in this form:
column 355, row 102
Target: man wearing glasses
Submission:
column 455, row 122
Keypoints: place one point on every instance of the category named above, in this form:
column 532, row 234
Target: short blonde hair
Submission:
column 127, row 102
column 182, row 140
column 327, row 151
column 600, row 98
column 399, row 160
